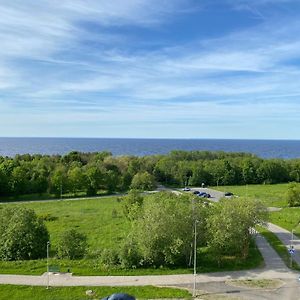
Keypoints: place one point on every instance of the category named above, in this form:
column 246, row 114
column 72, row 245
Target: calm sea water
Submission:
column 140, row 147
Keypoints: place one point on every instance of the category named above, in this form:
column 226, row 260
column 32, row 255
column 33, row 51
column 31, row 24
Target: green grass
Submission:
column 287, row 218
column 15, row 292
column 104, row 229
column 49, row 196
column 272, row 195
column 277, row 245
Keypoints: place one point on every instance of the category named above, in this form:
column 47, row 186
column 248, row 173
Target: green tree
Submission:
column 76, row 179
column 229, row 223
column 22, row 234
column 132, row 204
column 164, row 231
column 143, row 181
column 94, row 179
column 72, row 244
column 59, row 180
column 293, row 194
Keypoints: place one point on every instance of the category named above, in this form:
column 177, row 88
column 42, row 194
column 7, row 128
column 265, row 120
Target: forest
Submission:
column 89, row 173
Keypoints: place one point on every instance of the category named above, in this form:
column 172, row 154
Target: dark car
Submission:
column 201, row 194
column 228, row 194
column 204, row 195
column 196, row 192
column 119, row 296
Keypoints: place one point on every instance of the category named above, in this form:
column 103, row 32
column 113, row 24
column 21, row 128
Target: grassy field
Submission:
column 272, row 195
column 103, row 222
column 14, row 292
column 287, row 218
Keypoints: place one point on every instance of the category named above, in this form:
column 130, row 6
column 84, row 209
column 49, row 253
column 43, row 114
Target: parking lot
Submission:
column 215, row 195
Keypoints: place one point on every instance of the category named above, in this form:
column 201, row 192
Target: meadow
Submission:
column 272, row 195
column 103, row 222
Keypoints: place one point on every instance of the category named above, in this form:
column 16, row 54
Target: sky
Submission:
column 150, row 68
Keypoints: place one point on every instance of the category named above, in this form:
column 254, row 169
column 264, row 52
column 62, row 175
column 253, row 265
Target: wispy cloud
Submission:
column 98, row 62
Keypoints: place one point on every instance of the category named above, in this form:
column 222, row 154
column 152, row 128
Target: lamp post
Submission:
column 48, row 246
column 195, row 257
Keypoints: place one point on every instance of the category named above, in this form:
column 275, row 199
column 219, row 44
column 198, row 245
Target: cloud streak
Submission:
column 94, row 62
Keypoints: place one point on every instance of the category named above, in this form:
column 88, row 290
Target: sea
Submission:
column 10, row 146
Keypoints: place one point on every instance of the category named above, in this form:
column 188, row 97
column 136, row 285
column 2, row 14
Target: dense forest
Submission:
column 89, row 173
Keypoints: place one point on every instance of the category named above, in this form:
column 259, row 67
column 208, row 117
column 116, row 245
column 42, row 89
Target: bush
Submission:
column 129, row 255
column 293, row 194
column 72, row 244
column 109, row 257
column 22, row 234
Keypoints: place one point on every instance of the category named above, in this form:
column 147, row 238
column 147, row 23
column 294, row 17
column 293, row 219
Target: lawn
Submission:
column 15, row 292
column 272, row 195
column 287, row 218
column 103, row 222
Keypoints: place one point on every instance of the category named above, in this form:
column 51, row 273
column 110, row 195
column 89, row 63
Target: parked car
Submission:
column 228, row 194
column 186, row 189
column 201, row 194
column 196, row 192
column 204, row 195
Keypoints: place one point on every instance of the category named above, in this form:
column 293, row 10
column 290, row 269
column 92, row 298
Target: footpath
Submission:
column 287, row 239
column 274, row 268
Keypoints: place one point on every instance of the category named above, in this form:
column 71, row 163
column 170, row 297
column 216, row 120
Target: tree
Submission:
column 22, row 234
column 77, row 179
column 143, row 181
column 94, row 179
column 72, row 244
column 228, row 226
column 132, row 204
column 293, row 194
column 164, row 231
column 59, row 180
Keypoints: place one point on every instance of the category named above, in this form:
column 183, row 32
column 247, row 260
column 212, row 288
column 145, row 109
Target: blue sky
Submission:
column 150, row 68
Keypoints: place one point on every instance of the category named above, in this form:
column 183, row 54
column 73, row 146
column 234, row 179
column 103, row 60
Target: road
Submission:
column 286, row 238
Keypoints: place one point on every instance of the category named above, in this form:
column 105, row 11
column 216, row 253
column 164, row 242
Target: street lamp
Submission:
column 48, row 246
column 195, row 257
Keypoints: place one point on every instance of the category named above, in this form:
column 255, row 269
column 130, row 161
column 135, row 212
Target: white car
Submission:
column 186, row 189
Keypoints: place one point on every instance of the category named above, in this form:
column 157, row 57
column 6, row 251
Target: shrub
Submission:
column 72, row 244
column 22, row 234
column 109, row 257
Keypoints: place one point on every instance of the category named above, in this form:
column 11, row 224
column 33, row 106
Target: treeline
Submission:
column 90, row 172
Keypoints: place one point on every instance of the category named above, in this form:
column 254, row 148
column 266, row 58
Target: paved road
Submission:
column 286, row 238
